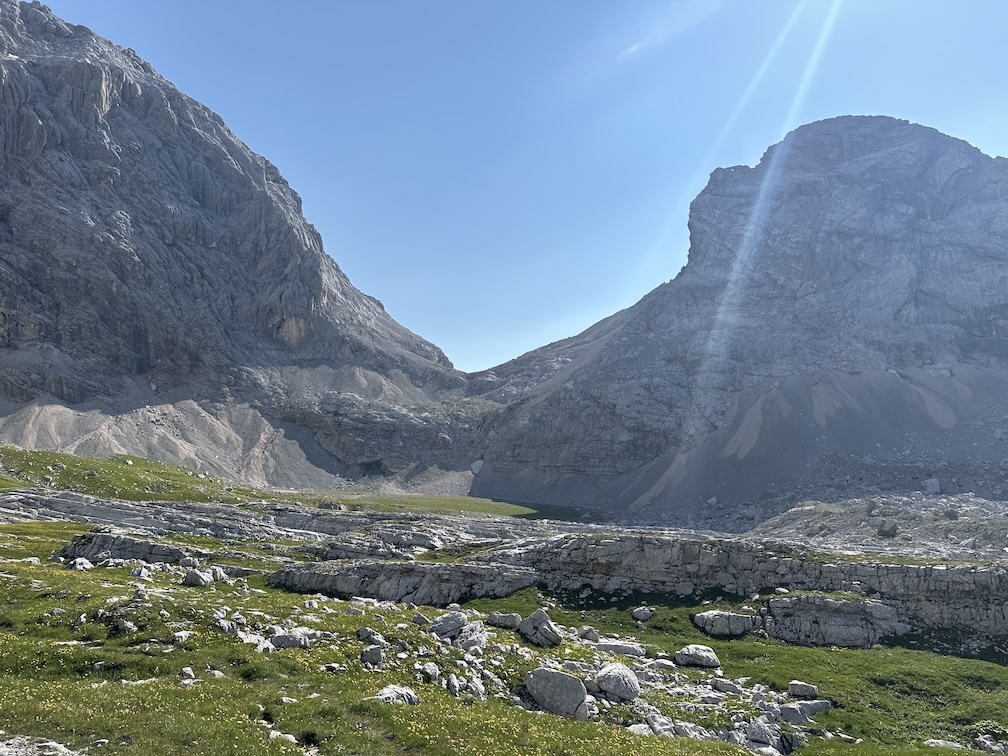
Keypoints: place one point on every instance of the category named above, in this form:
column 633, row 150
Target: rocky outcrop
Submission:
column 815, row 620
column 416, row 582
column 814, row 597
column 727, row 624
column 98, row 545
column 909, row 598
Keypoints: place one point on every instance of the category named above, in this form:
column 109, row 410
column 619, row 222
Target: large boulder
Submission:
column 539, row 629
column 726, row 624
column 799, row 689
column 448, row 625
column 296, row 637
column 558, row 693
column 695, row 655
column 504, row 621
column 197, row 579
column 643, row 613
column 619, row 681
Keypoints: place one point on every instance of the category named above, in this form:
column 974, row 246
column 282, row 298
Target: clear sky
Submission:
column 504, row 174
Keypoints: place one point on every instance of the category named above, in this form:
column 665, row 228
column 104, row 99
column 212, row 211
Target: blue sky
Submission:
column 504, row 174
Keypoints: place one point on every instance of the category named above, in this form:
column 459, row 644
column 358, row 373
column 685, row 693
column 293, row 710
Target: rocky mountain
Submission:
column 839, row 327
column 840, row 324
column 161, row 292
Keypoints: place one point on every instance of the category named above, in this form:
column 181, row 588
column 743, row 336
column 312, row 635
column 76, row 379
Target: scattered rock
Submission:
column 803, row 690
column 558, row 692
column 449, row 625
column 504, row 621
column 295, row 637
column 696, row 655
column 398, row 694
column 618, row 680
column 643, row 613
column 197, row 579
column 372, row 656
column 472, row 637
column 540, row 630
column 887, row 528
column 939, row 743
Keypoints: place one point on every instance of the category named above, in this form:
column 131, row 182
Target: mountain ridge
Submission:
column 162, row 294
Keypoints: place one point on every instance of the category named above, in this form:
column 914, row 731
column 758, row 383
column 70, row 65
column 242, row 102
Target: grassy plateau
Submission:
column 95, row 659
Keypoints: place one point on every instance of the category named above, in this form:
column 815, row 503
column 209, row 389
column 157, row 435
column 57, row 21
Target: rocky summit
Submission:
column 836, row 332
column 839, row 327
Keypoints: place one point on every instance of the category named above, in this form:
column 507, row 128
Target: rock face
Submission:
column 416, row 582
column 149, row 258
column 840, row 324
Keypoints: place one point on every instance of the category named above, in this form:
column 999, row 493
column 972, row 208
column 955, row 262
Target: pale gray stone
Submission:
column 197, row 579
column 449, row 625
column 558, row 692
column 643, row 613
column 398, row 694
column 696, row 655
column 725, row 624
column 799, row 689
column 939, row 743
column 539, row 629
column 504, row 621
column 472, row 637
column 618, row 680
column 624, row 648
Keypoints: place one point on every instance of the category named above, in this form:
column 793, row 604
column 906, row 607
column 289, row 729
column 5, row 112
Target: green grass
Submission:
column 54, row 690
column 891, row 697
column 430, row 504
column 138, row 479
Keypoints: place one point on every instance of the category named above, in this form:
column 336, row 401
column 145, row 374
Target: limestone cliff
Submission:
column 148, row 257
column 841, row 320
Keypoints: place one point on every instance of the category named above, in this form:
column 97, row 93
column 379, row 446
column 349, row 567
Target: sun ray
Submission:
column 703, row 166
column 723, row 326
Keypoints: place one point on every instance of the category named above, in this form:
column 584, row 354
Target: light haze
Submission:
column 503, row 175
